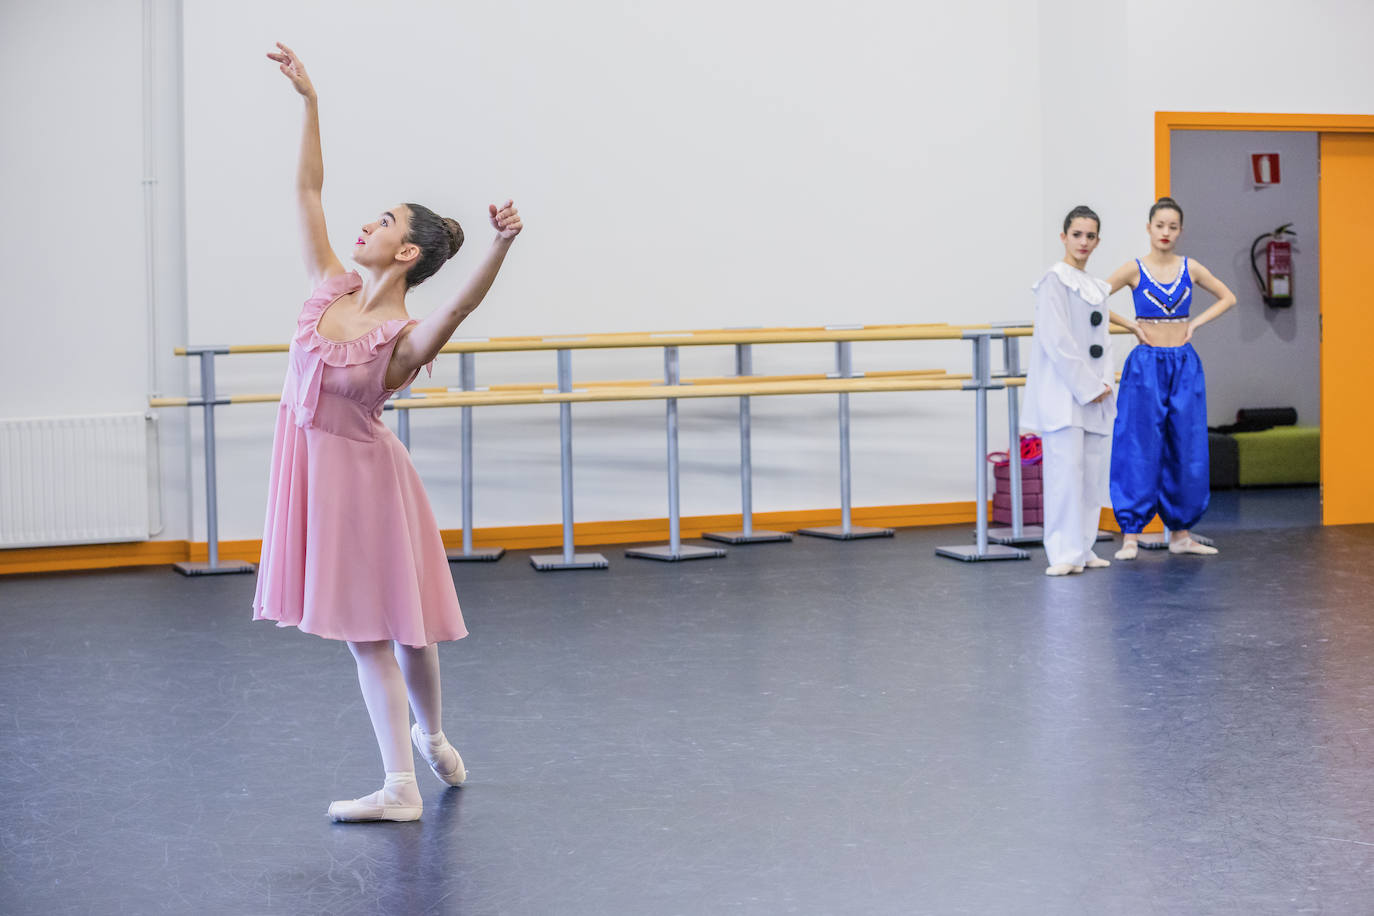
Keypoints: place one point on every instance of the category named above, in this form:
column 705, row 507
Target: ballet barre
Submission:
column 670, row 393
column 843, row 382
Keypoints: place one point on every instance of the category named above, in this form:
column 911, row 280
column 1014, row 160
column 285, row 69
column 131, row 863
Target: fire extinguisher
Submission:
column 1276, row 283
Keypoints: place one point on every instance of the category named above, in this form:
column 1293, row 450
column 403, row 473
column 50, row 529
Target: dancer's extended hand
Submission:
column 294, row 70
column 505, row 220
column 1106, row 393
column 1188, row 332
column 1140, row 334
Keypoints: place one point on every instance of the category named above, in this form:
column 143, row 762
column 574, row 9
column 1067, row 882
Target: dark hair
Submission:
column 439, row 239
column 1082, row 211
column 1166, row 203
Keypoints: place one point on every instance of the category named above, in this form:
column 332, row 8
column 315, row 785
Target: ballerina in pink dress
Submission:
column 350, row 548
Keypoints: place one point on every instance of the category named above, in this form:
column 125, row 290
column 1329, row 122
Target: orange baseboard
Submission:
column 92, row 556
column 516, row 537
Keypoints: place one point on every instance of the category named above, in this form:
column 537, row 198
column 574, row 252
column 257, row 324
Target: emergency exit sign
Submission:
column 1264, row 169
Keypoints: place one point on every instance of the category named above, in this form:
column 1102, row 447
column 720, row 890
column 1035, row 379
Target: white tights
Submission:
column 387, row 676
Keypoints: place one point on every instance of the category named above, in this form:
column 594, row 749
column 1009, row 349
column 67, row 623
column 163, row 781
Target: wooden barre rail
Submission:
column 667, row 392
column 516, row 387
column 656, row 392
column 682, row 338
column 706, row 380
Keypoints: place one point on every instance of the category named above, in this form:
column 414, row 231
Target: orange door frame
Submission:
column 1347, row 439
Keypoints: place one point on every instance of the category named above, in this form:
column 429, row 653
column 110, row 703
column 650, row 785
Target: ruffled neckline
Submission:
column 342, row 353
column 1089, row 288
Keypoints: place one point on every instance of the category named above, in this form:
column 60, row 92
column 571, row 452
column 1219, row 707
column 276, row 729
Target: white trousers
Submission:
column 1075, row 481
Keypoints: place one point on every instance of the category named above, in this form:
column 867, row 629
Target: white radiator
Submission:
column 74, row 480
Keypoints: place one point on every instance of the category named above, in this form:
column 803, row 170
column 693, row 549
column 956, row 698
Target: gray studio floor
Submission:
column 815, row 727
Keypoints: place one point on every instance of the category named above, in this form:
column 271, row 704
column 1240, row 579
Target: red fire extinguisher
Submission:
column 1276, row 283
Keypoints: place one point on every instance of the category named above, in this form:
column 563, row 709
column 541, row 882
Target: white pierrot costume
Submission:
column 1070, row 365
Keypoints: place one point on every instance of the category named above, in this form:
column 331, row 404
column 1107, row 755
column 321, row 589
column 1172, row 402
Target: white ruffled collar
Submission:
column 1089, row 288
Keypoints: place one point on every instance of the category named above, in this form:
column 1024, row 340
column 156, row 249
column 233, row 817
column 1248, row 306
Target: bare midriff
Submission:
column 1164, row 333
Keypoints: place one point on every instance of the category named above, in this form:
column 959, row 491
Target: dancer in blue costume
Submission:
column 1159, row 442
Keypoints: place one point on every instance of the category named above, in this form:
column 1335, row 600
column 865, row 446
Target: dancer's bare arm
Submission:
column 1208, row 281
column 320, row 261
column 1127, row 274
column 422, row 343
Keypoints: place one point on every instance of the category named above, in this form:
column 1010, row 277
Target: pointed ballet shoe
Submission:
column 373, row 807
column 1188, row 545
column 1128, row 551
column 1096, row 562
column 450, row 771
column 1063, row 569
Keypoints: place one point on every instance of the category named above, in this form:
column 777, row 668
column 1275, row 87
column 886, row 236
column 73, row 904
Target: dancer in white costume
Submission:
column 1070, row 399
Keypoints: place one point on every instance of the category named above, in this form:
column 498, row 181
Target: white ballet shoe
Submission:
column 1128, row 551
column 1063, row 569
column 1096, row 562
column 450, row 770
column 389, row 803
column 1188, row 545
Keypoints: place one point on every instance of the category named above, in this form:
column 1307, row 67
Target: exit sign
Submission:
column 1264, row 169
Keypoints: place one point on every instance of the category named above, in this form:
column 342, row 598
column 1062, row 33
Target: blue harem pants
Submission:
column 1159, row 443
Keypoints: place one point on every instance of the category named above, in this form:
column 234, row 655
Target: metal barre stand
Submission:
column 403, row 419
column 674, row 550
column 981, row 383
column 208, row 400
column 845, row 531
column 467, row 380
column 744, row 366
column 568, row 559
column 1018, row 534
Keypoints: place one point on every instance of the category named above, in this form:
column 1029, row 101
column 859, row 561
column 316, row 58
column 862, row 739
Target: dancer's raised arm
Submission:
column 422, row 343
column 320, row 260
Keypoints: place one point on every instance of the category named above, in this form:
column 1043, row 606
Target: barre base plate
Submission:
column 1032, row 535
column 222, row 569
column 547, row 561
column 757, row 536
column 481, row 555
column 970, row 554
column 668, row 555
column 852, row 533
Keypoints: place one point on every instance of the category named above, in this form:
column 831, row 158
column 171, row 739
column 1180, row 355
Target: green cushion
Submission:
column 1282, row 455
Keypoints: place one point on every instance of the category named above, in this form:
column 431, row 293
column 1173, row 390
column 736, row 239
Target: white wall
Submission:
column 770, row 163
column 92, row 308
column 1254, row 356
column 718, row 164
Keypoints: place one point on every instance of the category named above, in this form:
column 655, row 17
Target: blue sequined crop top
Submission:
column 1156, row 302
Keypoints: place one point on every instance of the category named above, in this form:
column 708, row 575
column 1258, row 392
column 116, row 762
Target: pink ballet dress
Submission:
column 350, row 549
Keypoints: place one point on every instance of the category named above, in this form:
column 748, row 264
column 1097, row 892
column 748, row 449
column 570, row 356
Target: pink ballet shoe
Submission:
column 386, row 804
column 1188, row 545
column 449, row 769
column 1096, row 562
column 1063, row 569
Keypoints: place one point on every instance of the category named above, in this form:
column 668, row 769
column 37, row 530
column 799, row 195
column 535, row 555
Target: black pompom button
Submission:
column 1095, row 318
column 1095, row 351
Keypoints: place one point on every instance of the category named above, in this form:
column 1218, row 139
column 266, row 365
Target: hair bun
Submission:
column 455, row 235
